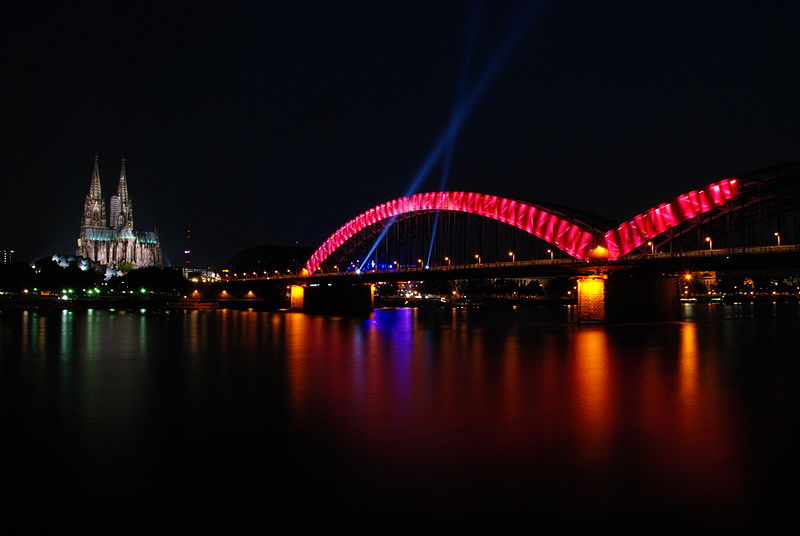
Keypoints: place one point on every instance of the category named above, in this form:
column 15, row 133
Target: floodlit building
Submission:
column 114, row 241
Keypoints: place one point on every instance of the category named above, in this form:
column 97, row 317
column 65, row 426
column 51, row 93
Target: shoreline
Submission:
column 45, row 304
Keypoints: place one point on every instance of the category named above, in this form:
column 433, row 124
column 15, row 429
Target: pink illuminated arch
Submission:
column 533, row 219
column 541, row 222
column 636, row 232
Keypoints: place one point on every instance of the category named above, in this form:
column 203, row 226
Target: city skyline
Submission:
column 253, row 125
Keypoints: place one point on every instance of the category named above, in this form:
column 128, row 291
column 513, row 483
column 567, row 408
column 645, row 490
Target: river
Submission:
column 489, row 417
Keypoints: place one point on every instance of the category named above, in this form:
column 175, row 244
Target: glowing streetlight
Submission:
column 710, row 243
column 335, row 268
column 419, row 261
column 552, row 255
column 448, row 260
column 652, row 248
column 513, row 257
column 778, row 236
column 478, row 258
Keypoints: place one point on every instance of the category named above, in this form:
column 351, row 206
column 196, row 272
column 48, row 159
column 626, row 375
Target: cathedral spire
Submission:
column 94, row 187
column 122, row 189
column 94, row 209
column 124, row 214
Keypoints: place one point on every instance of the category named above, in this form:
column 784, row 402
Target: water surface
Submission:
column 488, row 416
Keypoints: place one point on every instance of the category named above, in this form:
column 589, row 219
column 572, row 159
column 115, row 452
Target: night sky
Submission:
column 274, row 123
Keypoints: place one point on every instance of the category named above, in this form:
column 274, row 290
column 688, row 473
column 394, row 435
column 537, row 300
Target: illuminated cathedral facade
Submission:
column 112, row 241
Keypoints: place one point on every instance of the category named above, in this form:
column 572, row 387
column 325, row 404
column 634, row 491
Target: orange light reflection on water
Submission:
column 592, row 383
column 448, row 399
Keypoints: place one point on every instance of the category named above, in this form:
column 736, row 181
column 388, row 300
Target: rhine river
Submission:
column 476, row 418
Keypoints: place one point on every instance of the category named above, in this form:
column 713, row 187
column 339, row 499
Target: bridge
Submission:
column 748, row 221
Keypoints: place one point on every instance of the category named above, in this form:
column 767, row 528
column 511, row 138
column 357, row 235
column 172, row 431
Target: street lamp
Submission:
column 335, row 268
column 478, row 258
column 778, row 236
column 513, row 257
column 710, row 243
column 550, row 251
column 448, row 260
column 396, row 265
column 420, row 262
column 652, row 248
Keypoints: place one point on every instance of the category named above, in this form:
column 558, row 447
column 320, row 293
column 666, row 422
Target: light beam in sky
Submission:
column 497, row 61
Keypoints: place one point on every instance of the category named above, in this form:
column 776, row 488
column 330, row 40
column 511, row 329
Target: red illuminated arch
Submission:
column 536, row 220
column 542, row 222
column 636, row 232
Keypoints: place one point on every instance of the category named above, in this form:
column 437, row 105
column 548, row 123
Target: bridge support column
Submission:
column 336, row 299
column 626, row 298
column 592, row 299
column 296, row 297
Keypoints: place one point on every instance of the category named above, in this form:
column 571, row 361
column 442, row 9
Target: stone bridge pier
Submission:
column 332, row 299
column 618, row 297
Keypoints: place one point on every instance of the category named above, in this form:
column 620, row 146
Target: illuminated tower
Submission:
column 94, row 209
column 125, row 216
column 113, row 206
column 187, row 250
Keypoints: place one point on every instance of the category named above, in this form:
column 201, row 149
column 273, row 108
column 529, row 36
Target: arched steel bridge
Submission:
column 581, row 235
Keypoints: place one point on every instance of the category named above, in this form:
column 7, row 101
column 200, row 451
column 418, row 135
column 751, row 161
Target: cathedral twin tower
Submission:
column 113, row 241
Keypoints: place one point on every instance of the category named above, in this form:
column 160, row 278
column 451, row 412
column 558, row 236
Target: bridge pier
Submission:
column 625, row 298
column 332, row 299
column 592, row 299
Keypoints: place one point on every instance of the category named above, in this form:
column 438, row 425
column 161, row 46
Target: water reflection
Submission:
column 592, row 392
column 453, row 409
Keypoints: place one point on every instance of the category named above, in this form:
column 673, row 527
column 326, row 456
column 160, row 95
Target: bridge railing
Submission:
column 716, row 252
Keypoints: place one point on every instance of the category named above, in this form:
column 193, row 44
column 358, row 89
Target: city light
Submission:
column 778, row 236
column 552, row 255
column 710, row 243
column 513, row 257
column 478, row 258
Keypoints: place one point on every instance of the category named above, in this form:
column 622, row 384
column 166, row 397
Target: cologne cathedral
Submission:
column 113, row 241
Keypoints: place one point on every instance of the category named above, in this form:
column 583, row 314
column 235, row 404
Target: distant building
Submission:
column 709, row 279
column 114, row 242
column 6, row 256
column 199, row 274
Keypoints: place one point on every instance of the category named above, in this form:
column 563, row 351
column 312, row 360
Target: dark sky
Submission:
column 270, row 123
